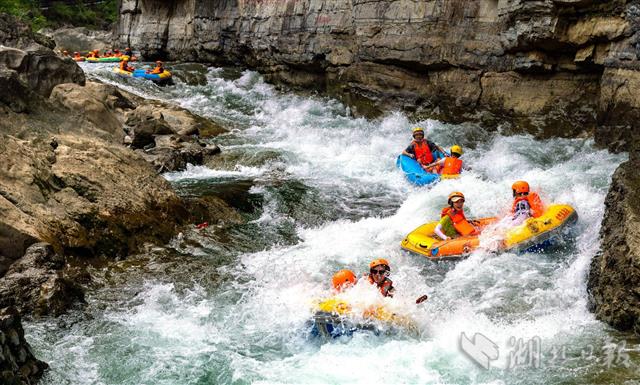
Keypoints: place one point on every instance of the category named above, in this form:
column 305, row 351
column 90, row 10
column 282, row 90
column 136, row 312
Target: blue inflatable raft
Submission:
column 162, row 78
column 414, row 172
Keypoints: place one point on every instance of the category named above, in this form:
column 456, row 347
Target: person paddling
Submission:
column 450, row 165
column 526, row 204
column 158, row 69
column 124, row 65
column 379, row 270
column 421, row 149
column 453, row 222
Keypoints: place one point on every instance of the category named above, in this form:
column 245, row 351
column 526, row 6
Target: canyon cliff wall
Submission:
column 548, row 67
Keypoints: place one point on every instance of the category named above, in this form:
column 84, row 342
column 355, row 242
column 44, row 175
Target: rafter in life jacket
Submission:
column 536, row 207
column 460, row 222
column 422, row 151
column 451, row 166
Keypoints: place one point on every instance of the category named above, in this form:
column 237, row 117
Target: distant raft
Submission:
column 334, row 318
column 109, row 59
column 163, row 78
column 532, row 235
column 416, row 174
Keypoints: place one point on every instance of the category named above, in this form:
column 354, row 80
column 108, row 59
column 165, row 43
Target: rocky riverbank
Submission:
column 79, row 180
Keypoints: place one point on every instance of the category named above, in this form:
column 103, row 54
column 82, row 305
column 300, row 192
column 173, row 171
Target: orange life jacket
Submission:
column 385, row 288
column 124, row 66
column 452, row 166
column 157, row 70
column 423, row 152
column 460, row 222
column 535, row 204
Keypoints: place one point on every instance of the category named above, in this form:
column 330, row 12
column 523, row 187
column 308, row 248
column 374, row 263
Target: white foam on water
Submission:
column 258, row 337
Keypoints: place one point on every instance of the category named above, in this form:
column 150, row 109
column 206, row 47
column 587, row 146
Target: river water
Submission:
column 319, row 191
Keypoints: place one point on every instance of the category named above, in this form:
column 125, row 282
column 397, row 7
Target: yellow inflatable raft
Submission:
column 532, row 234
column 334, row 317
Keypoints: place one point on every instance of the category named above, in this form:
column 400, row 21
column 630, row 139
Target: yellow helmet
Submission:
column 456, row 149
column 418, row 129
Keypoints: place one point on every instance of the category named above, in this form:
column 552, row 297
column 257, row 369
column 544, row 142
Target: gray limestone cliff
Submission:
column 548, row 67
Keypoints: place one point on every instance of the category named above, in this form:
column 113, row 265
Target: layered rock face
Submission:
column 549, row 67
column 615, row 272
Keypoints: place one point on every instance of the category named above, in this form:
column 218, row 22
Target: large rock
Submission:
column 36, row 283
column 549, row 67
column 81, row 39
column 18, row 366
column 23, row 73
column 15, row 33
column 614, row 278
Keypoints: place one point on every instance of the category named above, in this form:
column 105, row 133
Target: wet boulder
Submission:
column 614, row 276
column 18, row 365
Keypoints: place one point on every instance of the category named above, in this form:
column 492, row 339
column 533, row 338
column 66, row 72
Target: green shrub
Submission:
column 59, row 14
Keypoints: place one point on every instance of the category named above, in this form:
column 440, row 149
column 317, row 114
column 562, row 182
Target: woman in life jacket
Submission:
column 124, row 66
column 453, row 223
column 525, row 203
column 450, row 165
column 421, row 149
column 378, row 272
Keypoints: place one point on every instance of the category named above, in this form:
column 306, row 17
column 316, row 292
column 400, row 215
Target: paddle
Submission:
column 421, row 299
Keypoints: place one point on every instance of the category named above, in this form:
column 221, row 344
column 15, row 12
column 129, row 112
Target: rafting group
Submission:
column 109, row 56
column 158, row 74
column 530, row 226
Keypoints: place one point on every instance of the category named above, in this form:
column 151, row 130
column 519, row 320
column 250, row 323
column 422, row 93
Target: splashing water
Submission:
column 320, row 192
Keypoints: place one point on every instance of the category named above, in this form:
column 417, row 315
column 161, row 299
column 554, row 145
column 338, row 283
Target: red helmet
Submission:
column 379, row 262
column 520, row 187
column 343, row 278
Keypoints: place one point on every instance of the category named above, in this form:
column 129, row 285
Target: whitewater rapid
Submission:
column 319, row 191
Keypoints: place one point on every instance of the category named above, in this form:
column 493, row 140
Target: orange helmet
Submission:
column 453, row 195
column 342, row 278
column 378, row 262
column 520, row 187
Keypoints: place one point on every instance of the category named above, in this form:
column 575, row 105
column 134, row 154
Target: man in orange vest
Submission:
column 420, row 148
column 525, row 203
column 378, row 275
column 453, row 223
column 450, row 165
